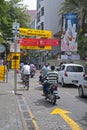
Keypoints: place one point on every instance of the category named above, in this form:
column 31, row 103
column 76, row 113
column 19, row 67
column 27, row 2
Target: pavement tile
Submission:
column 10, row 118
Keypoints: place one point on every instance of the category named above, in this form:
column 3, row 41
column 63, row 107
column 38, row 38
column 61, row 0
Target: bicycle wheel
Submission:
column 27, row 82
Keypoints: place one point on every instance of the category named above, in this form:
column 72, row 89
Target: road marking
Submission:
column 26, row 114
column 33, row 120
column 69, row 121
column 31, row 115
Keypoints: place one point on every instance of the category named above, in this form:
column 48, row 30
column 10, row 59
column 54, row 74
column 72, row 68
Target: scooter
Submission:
column 51, row 93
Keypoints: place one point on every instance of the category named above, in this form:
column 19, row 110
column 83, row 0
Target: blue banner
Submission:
column 69, row 32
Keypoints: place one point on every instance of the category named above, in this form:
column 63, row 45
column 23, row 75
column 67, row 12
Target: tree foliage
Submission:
column 82, row 46
column 75, row 6
column 3, row 15
column 9, row 12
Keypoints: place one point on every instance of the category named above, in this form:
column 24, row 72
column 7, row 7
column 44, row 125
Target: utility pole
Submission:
column 15, row 28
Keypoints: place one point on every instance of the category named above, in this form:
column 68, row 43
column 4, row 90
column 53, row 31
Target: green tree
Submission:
column 11, row 10
column 3, row 16
column 76, row 6
column 17, row 12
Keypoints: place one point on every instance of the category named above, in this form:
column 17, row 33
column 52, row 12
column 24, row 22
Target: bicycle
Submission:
column 26, row 81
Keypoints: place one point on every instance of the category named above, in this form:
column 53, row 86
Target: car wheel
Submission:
column 80, row 92
column 62, row 83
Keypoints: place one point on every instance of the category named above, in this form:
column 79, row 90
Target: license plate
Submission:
column 55, row 92
column 74, row 81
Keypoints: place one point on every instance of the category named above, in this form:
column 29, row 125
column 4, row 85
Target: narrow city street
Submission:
column 38, row 38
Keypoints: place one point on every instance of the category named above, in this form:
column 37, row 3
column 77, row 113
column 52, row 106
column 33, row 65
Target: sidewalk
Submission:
column 10, row 118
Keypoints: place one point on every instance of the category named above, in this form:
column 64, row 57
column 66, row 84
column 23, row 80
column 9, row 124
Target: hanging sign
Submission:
column 37, row 42
column 33, row 32
column 37, row 47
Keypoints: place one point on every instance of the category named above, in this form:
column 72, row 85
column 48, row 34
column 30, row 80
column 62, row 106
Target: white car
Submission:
column 82, row 87
column 70, row 74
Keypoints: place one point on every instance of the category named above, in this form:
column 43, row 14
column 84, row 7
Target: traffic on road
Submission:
column 69, row 112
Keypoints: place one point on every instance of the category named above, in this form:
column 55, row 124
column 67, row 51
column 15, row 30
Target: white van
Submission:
column 71, row 74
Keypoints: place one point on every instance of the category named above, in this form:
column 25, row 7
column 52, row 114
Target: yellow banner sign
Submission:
column 33, row 32
column 3, row 70
column 15, row 60
column 37, row 47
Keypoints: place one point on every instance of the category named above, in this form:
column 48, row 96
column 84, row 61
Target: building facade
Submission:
column 47, row 15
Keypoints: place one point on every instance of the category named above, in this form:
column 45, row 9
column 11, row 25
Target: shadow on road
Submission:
column 82, row 99
column 44, row 102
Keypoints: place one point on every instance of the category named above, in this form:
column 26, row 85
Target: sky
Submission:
column 30, row 3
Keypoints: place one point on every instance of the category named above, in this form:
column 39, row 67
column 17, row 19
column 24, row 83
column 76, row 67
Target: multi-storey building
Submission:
column 48, row 19
column 47, row 15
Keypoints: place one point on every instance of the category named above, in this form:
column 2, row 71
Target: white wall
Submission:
column 51, row 18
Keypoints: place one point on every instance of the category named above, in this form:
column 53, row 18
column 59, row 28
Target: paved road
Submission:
column 69, row 113
column 28, row 110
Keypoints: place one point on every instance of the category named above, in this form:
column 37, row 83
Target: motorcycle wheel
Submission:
column 53, row 101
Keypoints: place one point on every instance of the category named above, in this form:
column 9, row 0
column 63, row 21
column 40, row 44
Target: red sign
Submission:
column 28, row 42
column 37, row 42
column 48, row 42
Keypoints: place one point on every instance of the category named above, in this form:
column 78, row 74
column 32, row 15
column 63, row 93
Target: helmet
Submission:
column 25, row 62
column 52, row 67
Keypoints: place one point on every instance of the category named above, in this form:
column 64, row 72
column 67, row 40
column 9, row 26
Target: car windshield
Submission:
column 62, row 67
column 74, row 69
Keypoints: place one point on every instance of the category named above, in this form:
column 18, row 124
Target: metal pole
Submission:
column 15, row 31
column 15, row 50
column 15, row 75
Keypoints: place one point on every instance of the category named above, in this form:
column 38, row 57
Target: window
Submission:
column 69, row 69
column 62, row 67
column 42, row 26
column 79, row 69
column 74, row 69
column 42, row 11
column 38, row 17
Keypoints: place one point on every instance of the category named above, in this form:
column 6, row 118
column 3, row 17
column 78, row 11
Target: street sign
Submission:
column 12, row 47
column 28, row 42
column 15, row 60
column 48, row 42
column 37, row 42
column 33, row 32
column 15, row 26
column 37, row 47
column 3, row 69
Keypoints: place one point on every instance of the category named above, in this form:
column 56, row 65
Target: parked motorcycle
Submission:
column 51, row 92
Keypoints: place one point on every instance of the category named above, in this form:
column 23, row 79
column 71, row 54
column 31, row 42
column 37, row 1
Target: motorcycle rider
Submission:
column 52, row 78
column 32, row 70
column 43, row 72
